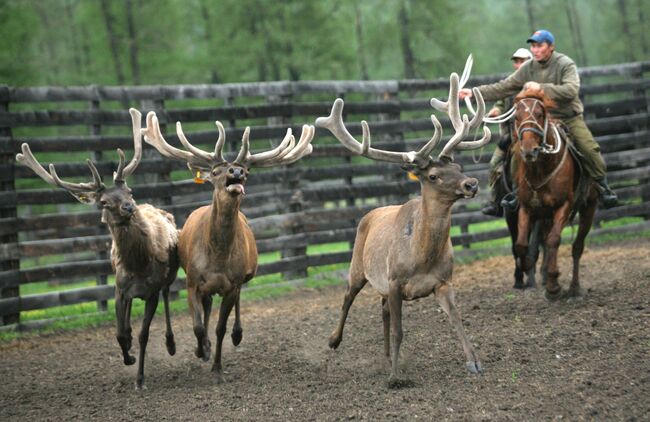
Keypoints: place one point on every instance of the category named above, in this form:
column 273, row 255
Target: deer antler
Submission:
column 123, row 172
column 28, row 159
column 285, row 153
column 334, row 123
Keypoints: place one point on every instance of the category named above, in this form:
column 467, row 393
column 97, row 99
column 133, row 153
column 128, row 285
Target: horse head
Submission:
column 532, row 123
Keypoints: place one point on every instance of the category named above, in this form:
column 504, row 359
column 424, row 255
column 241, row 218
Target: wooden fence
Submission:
column 48, row 237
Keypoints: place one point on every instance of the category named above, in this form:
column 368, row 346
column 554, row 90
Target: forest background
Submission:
column 149, row 42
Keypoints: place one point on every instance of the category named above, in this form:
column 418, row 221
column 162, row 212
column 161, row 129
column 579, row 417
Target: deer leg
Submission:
column 227, row 304
column 207, row 310
column 127, row 323
column 123, row 335
column 395, row 309
column 553, row 288
column 354, row 287
column 586, row 220
column 195, row 302
column 385, row 316
column 237, row 331
column 169, row 334
column 149, row 311
column 445, row 296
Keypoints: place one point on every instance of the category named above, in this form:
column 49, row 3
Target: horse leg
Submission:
column 553, row 288
column 227, row 304
column 533, row 255
column 169, row 334
column 354, row 287
column 237, row 331
column 511, row 221
column 445, row 296
column 149, row 310
column 521, row 245
column 586, row 220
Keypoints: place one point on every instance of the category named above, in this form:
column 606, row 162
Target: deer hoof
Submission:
column 474, row 367
column 171, row 345
column 140, row 385
column 395, row 383
column 236, row 337
column 334, row 341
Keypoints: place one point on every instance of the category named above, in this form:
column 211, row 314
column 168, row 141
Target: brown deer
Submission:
column 405, row 251
column 216, row 246
column 144, row 248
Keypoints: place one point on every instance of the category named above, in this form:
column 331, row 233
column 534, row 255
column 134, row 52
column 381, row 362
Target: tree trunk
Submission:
column 574, row 27
column 109, row 20
column 74, row 38
column 360, row 46
column 47, row 46
column 407, row 51
column 628, row 40
column 133, row 43
column 642, row 29
column 531, row 16
column 215, row 78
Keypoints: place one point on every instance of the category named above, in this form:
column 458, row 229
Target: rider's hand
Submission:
column 465, row 92
column 494, row 112
column 532, row 85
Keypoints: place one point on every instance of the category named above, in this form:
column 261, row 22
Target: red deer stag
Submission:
column 405, row 251
column 143, row 252
column 216, row 247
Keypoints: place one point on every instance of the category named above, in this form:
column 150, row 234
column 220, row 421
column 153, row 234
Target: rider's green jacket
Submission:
column 558, row 77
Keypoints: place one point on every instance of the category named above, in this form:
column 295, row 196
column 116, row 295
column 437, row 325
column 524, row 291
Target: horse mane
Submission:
column 538, row 93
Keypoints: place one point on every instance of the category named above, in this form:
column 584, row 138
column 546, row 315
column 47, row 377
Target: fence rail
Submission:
column 48, row 237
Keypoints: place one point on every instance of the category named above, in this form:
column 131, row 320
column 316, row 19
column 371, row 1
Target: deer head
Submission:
column 441, row 178
column 228, row 178
column 116, row 202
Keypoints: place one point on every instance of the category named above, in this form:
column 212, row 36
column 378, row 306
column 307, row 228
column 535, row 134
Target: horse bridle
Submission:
column 536, row 128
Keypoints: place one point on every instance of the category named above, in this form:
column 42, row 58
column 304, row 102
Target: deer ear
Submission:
column 200, row 174
column 88, row 198
column 413, row 171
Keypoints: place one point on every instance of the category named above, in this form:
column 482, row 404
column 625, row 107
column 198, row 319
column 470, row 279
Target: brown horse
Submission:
column 547, row 177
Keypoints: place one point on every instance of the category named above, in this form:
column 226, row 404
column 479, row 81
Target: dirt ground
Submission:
column 581, row 360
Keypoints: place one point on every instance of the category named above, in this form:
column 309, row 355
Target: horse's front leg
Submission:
column 524, row 262
column 560, row 217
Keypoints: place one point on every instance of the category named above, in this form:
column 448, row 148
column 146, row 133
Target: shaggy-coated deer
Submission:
column 405, row 251
column 143, row 252
column 216, row 246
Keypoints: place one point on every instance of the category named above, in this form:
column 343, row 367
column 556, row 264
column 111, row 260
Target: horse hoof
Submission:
column 553, row 296
column 129, row 360
column 236, row 337
column 519, row 285
column 574, row 295
column 218, row 376
column 474, row 367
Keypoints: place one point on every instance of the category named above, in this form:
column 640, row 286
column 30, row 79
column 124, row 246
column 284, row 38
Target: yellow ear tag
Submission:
column 197, row 178
column 412, row 177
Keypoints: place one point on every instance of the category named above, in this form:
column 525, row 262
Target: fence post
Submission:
column 95, row 130
column 8, row 267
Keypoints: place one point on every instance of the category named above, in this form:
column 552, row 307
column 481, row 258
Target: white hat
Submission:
column 522, row 53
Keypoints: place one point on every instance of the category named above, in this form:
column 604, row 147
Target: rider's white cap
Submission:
column 522, row 53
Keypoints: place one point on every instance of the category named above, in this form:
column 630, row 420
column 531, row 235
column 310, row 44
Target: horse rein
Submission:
column 537, row 128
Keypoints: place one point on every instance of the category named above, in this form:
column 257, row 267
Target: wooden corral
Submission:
column 46, row 236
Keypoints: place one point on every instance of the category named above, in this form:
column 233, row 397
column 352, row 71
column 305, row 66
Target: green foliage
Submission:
column 67, row 42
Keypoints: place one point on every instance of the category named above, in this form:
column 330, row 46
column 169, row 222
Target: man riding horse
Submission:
column 558, row 76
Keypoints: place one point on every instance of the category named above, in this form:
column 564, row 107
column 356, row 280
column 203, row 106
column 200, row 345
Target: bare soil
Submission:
column 581, row 360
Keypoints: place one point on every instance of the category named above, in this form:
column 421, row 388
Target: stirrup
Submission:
column 510, row 201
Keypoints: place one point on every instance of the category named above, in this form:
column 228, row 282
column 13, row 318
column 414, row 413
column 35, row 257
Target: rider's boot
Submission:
column 608, row 197
column 491, row 208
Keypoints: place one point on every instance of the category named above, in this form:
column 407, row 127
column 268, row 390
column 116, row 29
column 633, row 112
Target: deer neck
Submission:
column 431, row 228
column 224, row 222
column 132, row 243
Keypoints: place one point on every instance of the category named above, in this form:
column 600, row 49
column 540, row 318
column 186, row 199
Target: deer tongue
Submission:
column 236, row 188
